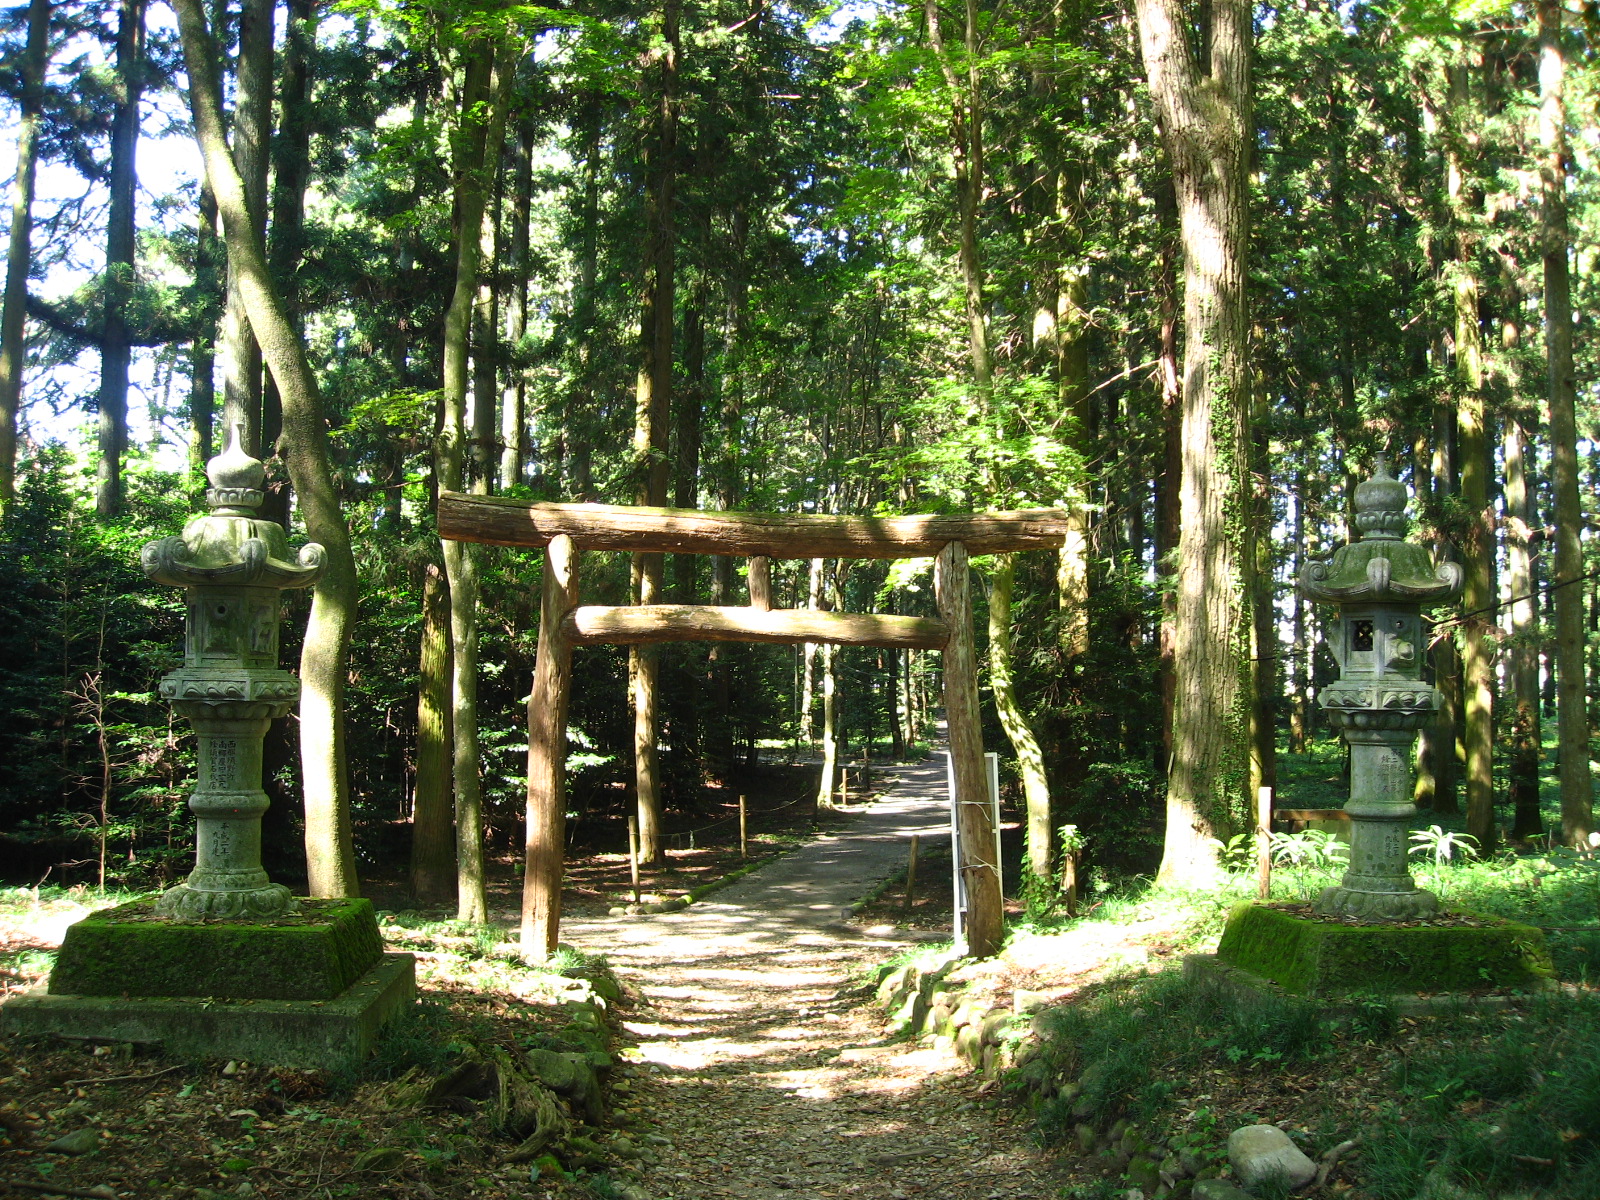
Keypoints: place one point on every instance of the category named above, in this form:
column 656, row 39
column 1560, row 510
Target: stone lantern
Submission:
column 1379, row 586
column 227, row 964
column 233, row 566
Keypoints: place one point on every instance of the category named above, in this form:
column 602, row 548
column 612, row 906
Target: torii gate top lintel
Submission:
column 501, row 521
column 564, row 529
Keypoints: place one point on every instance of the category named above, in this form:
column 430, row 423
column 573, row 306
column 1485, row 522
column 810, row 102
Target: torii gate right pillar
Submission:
column 952, row 584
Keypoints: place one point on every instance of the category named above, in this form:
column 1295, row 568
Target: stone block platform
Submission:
column 1328, row 957
column 299, row 1033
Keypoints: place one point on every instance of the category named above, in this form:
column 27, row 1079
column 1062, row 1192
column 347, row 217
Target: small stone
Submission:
column 1218, row 1189
column 1086, row 1137
column 1144, row 1173
column 546, row 1166
column 79, row 1141
column 1260, row 1152
column 231, row 1068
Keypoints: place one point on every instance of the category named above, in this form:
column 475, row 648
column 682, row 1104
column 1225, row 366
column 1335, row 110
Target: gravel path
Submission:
column 761, row 1077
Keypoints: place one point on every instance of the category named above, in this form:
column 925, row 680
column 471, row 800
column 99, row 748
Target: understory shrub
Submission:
column 1470, row 1104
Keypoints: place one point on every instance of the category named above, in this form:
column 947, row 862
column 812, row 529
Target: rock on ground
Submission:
column 1261, row 1152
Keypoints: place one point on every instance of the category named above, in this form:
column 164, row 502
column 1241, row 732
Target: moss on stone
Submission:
column 1331, row 958
column 314, row 954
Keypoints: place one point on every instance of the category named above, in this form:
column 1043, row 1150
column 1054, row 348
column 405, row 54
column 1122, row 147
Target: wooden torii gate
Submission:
column 564, row 529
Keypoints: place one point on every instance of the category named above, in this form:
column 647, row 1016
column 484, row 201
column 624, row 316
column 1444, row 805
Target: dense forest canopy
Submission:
column 792, row 258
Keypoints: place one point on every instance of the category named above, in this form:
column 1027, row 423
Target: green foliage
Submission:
column 83, row 639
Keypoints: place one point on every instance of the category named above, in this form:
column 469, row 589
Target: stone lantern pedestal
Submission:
column 302, row 982
column 1376, row 930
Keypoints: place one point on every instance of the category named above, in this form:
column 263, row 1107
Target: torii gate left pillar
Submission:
column 565, row 528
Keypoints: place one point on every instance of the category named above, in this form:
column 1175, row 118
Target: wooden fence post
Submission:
column 545, row 850
column 744, row 830
column 1263, row 843
column 985, row 922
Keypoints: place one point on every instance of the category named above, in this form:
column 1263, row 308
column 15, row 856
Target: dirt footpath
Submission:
column 762, row 1075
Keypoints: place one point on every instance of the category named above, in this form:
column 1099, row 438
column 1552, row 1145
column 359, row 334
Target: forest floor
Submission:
column 752, row 1061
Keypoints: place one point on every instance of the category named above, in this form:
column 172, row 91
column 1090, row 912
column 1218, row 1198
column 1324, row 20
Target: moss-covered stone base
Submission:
column 293, row 1033
column 314, row 954
column 1312, row 957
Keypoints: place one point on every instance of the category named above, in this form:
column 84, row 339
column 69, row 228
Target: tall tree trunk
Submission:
column 1264, row 641
column 330, row 850
column 486, row 329
column 1168, row 514
column 291, row 175
column 251, row 139
column 210, row 264
column 828, row 778
column 1438, row 771
column 1572, row 717
column 1030, row 759
column 514, row 404
column 1204, row 112
column 1477, row 534
column 652, row 407
column 1521, row 520
column 810, row 652
column 13, row 316
column 474, row 150
column 433, row 853
column 115, row 348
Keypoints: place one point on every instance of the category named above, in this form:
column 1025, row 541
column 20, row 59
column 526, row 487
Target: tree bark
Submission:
column 330, row 851
column 1204, row 112
column 115, row 347
column 286, row 246
column 251, row 137
column 513, row 406
column 433, row 856
column 1439, row 768
column 1572, row 754
column 1024, row 743
column 209, row 265
column 13, row 316
column 652, row 407
column 1521, row 520
column 472, row 154
column 1476, row 538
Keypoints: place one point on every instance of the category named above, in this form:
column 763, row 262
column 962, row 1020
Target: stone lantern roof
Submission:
column 1381, row 568
column 230, row 546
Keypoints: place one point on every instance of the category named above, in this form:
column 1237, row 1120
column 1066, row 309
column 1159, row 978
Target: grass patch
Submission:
column 1496, row 1103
